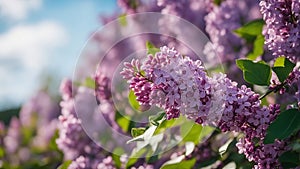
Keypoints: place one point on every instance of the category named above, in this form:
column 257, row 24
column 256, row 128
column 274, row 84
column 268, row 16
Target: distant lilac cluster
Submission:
column 82, row 163
column 134, row 6
column 102, row 90
column 221, row 23
column 192, row 10
column 179, row 85
column 72, row 140
column 282, row 30
column 37, row 115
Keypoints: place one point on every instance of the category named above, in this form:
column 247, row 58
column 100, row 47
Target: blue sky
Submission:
column 42, row 37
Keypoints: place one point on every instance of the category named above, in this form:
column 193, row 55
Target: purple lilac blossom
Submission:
column 239, row 108
column 135, row 6
column 223, row 20
column 191, row 10
column 180, row 83
column 40, row 113
column 72, row 140
column 42, row 107
column 282, row 30
column 12, row 139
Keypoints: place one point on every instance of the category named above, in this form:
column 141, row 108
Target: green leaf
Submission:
column 285, row 125
column 289, row 159
column 90, row 83
column 191, row 132
column 217, row 2
column 258, row 48
column 137, row 131
column 52, row 143
column 65, row 165
column 151, row 48
column 187, row 164
column 123, row 121
column 134, row 157
column 116, row 156
column 122, row 20
column 296, row 147
column 167, row 124
column 133, row 102
column 145, row 136
column 206, row 131
column 253, row 28
column 157, row 119
column 282, row 68
column 2, row 152
column 258, row 73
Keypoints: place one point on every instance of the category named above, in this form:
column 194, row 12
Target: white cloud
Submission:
column 18, row 9
column 27, row 50
column 31, row 44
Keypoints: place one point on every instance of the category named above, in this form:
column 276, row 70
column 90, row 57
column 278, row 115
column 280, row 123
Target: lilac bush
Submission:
column 194, row 112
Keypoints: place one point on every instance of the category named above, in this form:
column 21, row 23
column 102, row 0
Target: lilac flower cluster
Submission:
column 223, row 20
column 102, row 163
column 265, row 155
column 193, row 10
column 72, row 140
column 102, row 90
column 282, row 28
column 172, row 82
column 134, row 6
column 40, row 105
column 38, row 118
column 179, row 85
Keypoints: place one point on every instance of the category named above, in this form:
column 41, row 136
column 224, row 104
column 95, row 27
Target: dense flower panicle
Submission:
column 175, row 13
column 106, row 163
column 102, row 90
column 12, row 140
column 191, row 10
column 180, row 85
column 223, row 20
column 242, row 113
column 282, row 30
column 45, row 133
column 141, row 88
column 83, row 162
column 40, row 107
column 134, row 6
column 72, row 139
column 40, row 113
column 265, row 155
column 66, row 89
column 172, row 82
